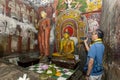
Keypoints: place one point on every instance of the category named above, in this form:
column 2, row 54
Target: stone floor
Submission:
column 10, row 71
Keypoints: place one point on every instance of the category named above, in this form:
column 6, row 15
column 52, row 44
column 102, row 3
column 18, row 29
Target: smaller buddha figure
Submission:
column 24, row 12
column 17, row 11
column 12, row 6
column 1, row 9
column 93, row 5
column 99, row 4
column 33, row 16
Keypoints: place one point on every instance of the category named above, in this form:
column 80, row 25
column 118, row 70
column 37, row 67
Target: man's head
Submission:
column 97, row 34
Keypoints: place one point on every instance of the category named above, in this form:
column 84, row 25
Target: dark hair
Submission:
column 100, row 33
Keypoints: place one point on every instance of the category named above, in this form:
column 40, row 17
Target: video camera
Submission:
column 83, row 38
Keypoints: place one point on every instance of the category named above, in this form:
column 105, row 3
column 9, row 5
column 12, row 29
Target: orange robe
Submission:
column 44, row 36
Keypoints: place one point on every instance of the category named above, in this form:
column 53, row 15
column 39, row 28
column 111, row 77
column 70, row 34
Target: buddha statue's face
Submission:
column 43, row 14
column 66, row 35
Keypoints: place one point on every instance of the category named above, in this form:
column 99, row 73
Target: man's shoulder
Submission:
column 92, row 46
column 97, row 43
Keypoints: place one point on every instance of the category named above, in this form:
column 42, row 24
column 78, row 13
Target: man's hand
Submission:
column 86, row 45
column 85, row 41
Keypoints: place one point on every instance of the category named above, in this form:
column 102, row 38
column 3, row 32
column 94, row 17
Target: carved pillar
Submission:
column 19, row 49
column 19, row 43
column 28, row 41
column 28, row 44
column 9, row 43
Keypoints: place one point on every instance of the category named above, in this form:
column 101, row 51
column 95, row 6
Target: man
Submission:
column 95, row 56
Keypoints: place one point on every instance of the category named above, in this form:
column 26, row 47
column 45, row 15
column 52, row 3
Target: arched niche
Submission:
column 69, row 21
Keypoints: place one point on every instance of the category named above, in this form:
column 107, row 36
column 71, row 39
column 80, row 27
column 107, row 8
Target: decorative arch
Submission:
column 70, row 26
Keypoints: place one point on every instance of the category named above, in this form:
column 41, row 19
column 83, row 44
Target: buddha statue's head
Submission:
column 66, row 35
column 43, row 14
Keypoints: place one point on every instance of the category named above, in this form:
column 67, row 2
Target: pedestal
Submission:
column 65, row 63
column 28, row 62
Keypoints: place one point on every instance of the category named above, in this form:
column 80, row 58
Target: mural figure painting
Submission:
column 93, row 25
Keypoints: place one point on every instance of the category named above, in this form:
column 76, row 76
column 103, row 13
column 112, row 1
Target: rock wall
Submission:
column 17, row 27
column 110, row 24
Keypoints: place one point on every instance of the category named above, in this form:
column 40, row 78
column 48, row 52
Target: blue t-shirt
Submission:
column 96, row 52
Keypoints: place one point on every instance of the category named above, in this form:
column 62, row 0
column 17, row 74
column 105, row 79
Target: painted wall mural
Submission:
column 93, row 5
column 15, row 12
column 81, row 5
column 17, row 30
column 56, row 8
column 74, row 4
column 92, row 20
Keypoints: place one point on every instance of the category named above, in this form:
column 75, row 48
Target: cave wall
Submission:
column 110, row 24
column 17, row 31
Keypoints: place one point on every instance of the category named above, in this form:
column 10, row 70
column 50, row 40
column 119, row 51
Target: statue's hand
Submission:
column 70, row 56
column 64, row 54
column 61, row 53
column 68, row 53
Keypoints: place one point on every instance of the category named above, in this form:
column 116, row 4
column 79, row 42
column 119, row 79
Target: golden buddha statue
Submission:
column 66, row 47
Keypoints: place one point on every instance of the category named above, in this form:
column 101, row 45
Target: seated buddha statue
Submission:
column 66, row 47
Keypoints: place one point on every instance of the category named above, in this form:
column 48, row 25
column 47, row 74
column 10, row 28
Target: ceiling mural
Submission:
column 93, row 5
column 39, row 3
column 81, row 5
column 74, row 4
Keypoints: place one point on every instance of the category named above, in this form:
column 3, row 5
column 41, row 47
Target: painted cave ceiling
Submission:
column 82, row 5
